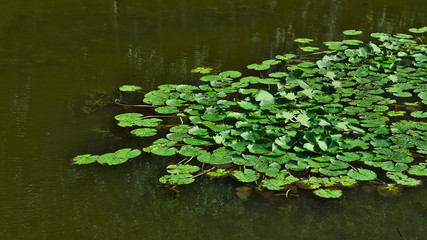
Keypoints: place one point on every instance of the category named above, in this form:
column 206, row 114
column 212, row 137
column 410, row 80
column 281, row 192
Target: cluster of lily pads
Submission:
column 357, row 113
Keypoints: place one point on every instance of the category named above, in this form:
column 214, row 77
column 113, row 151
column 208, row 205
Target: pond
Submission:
column 61, row 63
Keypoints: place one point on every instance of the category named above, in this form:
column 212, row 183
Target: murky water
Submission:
column 60, row 65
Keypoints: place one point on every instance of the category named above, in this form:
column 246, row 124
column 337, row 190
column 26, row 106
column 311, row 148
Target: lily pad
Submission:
column 418, row 30
column 303, row 40
column 248, row 175
column 418, row 170
column 218, row 173
column 130, row 88
column 164, row 151
column 309, row 49
column 352, row 32
column 85, row 159
column 177, row 179
column 328, row 193
column 419, row 114
column 144, row 132
column 362, row 174
column 166, row 110
column 191, row 151
column 181, row 169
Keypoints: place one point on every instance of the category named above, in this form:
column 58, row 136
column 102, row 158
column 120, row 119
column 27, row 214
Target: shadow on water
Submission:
column 60, row 62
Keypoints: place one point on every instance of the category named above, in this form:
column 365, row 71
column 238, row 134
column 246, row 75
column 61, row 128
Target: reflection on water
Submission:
column 54, row 54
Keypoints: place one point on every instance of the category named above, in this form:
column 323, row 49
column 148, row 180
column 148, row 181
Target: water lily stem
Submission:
column 355, row 169
column 203, row 172
column 189, row 160
column 182, row 161
column 127, row 105
column 287, row 192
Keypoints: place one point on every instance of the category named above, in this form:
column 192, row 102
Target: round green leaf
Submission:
column 144, row 132
column 248, row 175
column 232, row 74
column 164, row 151
column 181, row 169
column 85, row 159
column 352, row 32
column 127, row 153
column 191, row 151
column 177, row 179
column 328, row 193
column 362, row 174
column 166, row 110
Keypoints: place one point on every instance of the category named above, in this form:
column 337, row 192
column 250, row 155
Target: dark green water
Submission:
column 59, row 57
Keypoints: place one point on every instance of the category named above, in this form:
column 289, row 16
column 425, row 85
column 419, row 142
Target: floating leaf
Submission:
column 232, row 74
column 150, row 122
column 195, row 141
column 177, row 179
column 218, row 173
column 166, row 110
column 259, row 67
column 128, row 119
column 352, row 42
column 248, row 175
column 352, row 32
column 419, row 114
column 164, row 151
column 362, row 174
column 181, row 169
column 144, row 132
column 85, row 159
column 349, row 157
column 332, row 173
column 273, row 183
column 202, row 70
column 285, row 56
column 309, row 49
column 418, row 170
column 129, row 88
column 119, row 157
column 328, row 193
column 127, row 153
column 394, row 167
column 191, row 151
column 303, row 40
column 265, row 98
column 418, row 30
column 180, row 128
